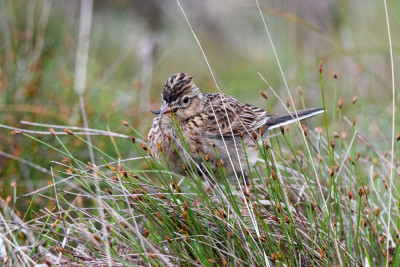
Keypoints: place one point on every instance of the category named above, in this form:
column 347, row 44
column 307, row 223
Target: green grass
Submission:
column 316, row 199
column 138, row 215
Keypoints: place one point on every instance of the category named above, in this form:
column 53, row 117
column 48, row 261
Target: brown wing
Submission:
column 243, row 117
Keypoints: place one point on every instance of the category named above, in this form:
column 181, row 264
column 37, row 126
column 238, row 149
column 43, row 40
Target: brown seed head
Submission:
column 160, row 196
column 221, row 162
column 335, row 75
column 146, row 232
column 122, row 171
column 168, row 239
column 262, row 239
column 254, row 134
column 15, row 132
column 184, row 232
column 273, row 257
column 212, row 143
column 246, row 231
column 52, row 131
column 354, row 121
column 169, row 137
column 59, row 249
column 184, row 227
column 398, row 137
column 335, row 135
column 300, row 90
column 172, row 184
column 333, row 144
column 230, row 234
column 287, row 102
column 98, row 239
column 313, row 205
column 185, row 205
column 68, row 131
column 374, row 175
column 361, row 191
column 340, row 103
column 133, row 139
column 278, row 208
column 123, row 223
column 240, row 133
column 216, row 163
column 274, row 218
column 184, row 215
column 349, row 194
column 125, row 123
column 218, row 214
column 143, row 147
column 151, row 255
column 304, row 129
column 364, row 222
column 287, row 220
column 321, row 251
column 273, row 174
column 282, row 129
column 266, row 144
column 332, row 172
column 264, row 94
column 261, row 130
column 137, row 198
column 223, row 213
column 159, row 216
column 196, row 149
column 320, row 66
column 354, row 99
column 159, row 147
column 108, row 191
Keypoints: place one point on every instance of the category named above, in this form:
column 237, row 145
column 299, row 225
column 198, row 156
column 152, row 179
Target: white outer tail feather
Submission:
column 296, row 119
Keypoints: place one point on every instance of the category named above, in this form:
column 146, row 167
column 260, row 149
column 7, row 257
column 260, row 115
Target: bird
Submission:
column 214, row 127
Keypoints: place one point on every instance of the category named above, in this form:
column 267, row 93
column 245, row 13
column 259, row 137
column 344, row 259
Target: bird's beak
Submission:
column 160, row 111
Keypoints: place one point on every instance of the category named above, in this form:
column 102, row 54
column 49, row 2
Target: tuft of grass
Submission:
column 145, row 214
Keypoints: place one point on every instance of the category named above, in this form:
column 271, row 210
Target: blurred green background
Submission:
column 134, row 46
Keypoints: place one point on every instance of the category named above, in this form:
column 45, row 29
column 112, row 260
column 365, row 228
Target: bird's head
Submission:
column 180, row 96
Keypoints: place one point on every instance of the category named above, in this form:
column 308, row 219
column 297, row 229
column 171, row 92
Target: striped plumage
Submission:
column 208, row 121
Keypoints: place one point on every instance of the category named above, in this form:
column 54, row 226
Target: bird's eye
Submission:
column 186, row 100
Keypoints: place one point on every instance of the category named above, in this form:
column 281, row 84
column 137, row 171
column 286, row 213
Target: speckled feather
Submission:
column 197, row 115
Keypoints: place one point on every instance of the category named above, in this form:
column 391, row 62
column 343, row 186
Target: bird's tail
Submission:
column 276, row 122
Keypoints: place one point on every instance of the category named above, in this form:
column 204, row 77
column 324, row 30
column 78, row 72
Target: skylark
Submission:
column 209, row 123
